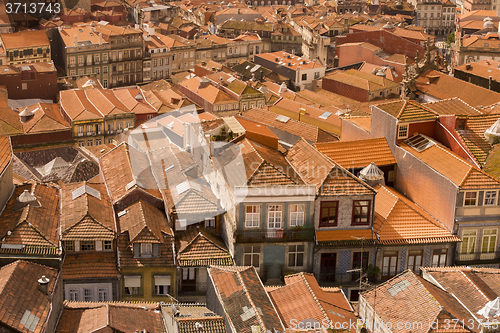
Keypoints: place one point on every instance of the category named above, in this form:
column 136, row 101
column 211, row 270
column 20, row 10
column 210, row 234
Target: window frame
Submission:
column 415, row 254
column 157, row 286
column 475, row 199
column 146, row 254
column 468, row 235
column 294, row 221
column 72, row 293
column 489, row 236
column 69, row 248
column 253, row 214
column 102, row 291
column 293, row 251
column 89, row 242
column 440, row 254
column 495, row 198
column 105, row 245
column 321, row 206
column 390, row 255
column 368, row 211
column 90, row 297
column 405, row 128
column 253, row 255
column 277, row 216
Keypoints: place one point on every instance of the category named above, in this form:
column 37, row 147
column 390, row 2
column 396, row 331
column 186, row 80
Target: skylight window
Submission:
column 282, row 118
column 183, row 187
column 30, row 321
column 419, row 142
column 325, row 115
column 85, row 189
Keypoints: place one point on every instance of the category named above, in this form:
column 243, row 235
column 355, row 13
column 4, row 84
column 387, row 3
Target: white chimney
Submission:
column 43, row 284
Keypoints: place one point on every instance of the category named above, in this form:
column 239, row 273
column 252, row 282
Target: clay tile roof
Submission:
column 443, row 86
column 408, row 110
column 5, row 153
column 35, row 224
column 400, row 221
column 24, row 39
column 418, row 301
column 329, row 177
column 165, row 258
column 287, row 58
column 460, row 172
column 126, row 169
column 47, row 118
column 142, row 219
column 302, row 298
column 191, row 315
column 90, row 265
column 86, row 212
column 201, row 248
column 116, row 316
column 345, row 237
column 473, row 287
column 20, row 296
column 244, row 299
column 360, row 153
column 358, row 79
column 453, row 106
column 308, row 132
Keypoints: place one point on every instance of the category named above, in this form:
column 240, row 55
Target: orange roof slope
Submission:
column 20, row 296
column 90, row 265
column 302, row 298
column 358, row 154
column 408, row 110
column 400, row 221
column 5, row 153
column 453, row 167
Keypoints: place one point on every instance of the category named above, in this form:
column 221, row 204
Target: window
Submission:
column 297, row 214
column 210, row 223
column 327, row 267
column 69, row 245
column 74, row 295
column 360, row 212
column 103, row 295
column 108, row 245
column 252, row 216
column 489, row 241
column 90, row 143
column 316, row 75
column 470, row 199
column 490, row 198
column 72, row 61
column 132, row 285
column 105, row 83
column 468, row 241
column 81, row 143
column 439, row 258
column 251, row 255
column 296, row 255
column 274, row 217
column 98, row 142
column 88, row 295
column 389, row 264
column 146, row 249
column 304, row 77
column 86, row 245
column 328, row 213
column 105, row 69
column 415, row 260
column 162, row 285
column 402, row 131
column 359, row 260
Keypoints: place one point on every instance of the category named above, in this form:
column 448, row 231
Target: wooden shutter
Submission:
column 137, row 250
column 156, row 250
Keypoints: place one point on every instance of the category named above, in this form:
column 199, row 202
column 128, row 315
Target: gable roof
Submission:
column 5, row 153
column 359, row 153
column 244, row 299
column 302, row 299
column 474, row 287
column 408, row 110
column 358, row 79
column 329, row 177
column 201, row 247
column 418, row 301
column 86, row 212
column 453, row 106
column 460, row 172
column 143, row 220
column 23, row 307
column 398, row 220
column 295, row 127
column 46, row 118
column 119, row 316
column 191, row 315
column 35, row 223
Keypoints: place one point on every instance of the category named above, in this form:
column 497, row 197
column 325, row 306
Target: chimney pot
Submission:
column 43, row 284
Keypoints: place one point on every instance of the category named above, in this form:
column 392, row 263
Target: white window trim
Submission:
column 252, row 214
column 277, row 214
column 296, row 252
column 407, row 129
column 293, row 222
column 483, row 236
column 484, row 198
column 468, row 241
column 465, row 197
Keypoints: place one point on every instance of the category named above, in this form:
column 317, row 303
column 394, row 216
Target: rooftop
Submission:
column 290, row 61
column 25, row 39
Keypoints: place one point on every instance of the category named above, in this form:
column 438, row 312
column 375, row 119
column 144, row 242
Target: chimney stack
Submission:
column 43, row 284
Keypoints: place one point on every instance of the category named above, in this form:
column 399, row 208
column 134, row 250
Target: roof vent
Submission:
column 283, row 119
column 325, row 115
column 26, row 115
column 25, row 199
column 283, row 88
column 43, row 284
column 372, row 175
column 491, row 309
column 139, row 97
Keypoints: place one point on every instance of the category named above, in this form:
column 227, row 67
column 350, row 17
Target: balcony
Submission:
column 305, row 233
column 480, row 257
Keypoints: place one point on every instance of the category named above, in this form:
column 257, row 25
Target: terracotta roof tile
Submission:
column 191, row 314
column 121, row 317
column 408, row 110
column 5, row 153
column 24, row 39
column 201, row 248
column 453, row 106
column 240, row 291
column 19, row 293
column 35, row 224
column 360, row 153
column 90, row 265
column 358, row 79
column 342, row 237
column 86, row 216
column 400, row 221
column 294, row 61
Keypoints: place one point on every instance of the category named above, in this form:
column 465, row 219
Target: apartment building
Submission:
column 26, row 46
column 437, row 17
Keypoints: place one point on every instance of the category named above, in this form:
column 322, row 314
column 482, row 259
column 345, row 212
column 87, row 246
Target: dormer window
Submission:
column 146, row 249
column 403, row 131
